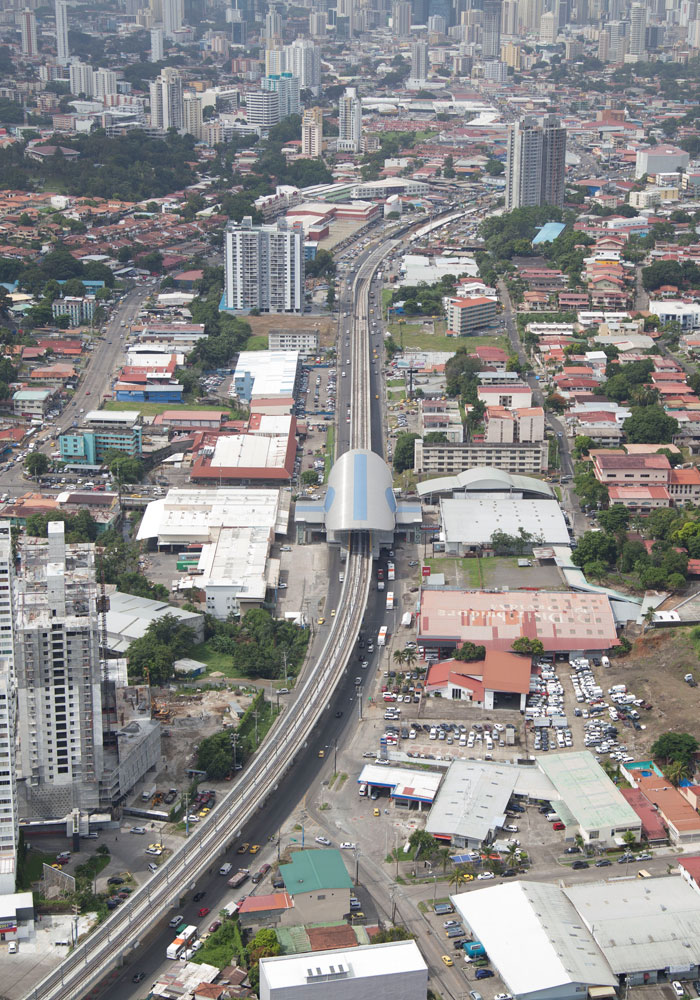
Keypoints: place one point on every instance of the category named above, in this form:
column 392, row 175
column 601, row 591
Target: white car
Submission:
column 503, row 996
column 323, row 840
column 484, row 875
column 347, row 845
column 192, row 818
column 678, row 988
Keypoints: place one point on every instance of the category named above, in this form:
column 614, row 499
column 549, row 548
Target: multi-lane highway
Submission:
column 290, row 740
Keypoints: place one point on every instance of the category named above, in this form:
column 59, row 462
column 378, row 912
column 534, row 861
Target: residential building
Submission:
column 506, row 426
column 401, row 18
column 192, row 115
column 660, row 160
column 466, row 315
column 58, row 675
column 273, row 24
column 78, row 308
column 9, row 812
column 419, row 60
column 303, row 60
column 167, row 108
column 350, row 121
column 312, row 133
column 27, row 26
column 535, row 165
column 264, row 266
column 509, row 396
column 105, row 430
column 31, row 402
column 104, row 83
column 157, row 50
column 81, row 76
column 638, row 28
column 442, row 416
column 445, row 459
column 263, row 108
column 287, row 87
column 62, row 49
column 303, row 341
column 173, row 17
column 491, row 29
column 395, row 969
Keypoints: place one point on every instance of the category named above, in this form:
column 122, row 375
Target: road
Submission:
column 309, row 721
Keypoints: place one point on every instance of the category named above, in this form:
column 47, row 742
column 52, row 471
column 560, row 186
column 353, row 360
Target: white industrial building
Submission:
column 471, row 803
column 265, row 374
column 393, row 971
column 236, row 527
column 469, row 522
column 552, row 942
column 129, row 616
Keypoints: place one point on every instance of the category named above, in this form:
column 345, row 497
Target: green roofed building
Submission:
column 319, row 884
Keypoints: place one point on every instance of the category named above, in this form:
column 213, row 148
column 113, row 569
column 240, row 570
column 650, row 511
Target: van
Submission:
column 551, row 817
column 362, row 790
column 643, row 873
column 176, row 921
column 225, row 869
column 605, row 661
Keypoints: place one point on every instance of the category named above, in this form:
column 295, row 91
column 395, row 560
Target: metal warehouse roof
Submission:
column 585, row 788
column 312, row 870
column 360, row 494
column 473, row 799
column 534, row 937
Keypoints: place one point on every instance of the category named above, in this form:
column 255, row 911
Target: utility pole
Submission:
column 359, row 703
column 255, row 716
column 335, row 757
column 357, row 867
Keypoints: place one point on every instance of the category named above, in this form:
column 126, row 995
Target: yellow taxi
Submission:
column 321, row 621
column 447, row 960
column 333, row 613
column 255, row 848
column 322, row 753
column 377, row 812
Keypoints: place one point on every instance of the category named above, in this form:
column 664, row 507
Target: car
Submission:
column 644, row 857
column 580, row 864
column 447, row 960
column 333, row 613
column 138, row 977
column 154, row 851
column 197, row 896
column 321, row 621
column 243, row 848
column 677, row 988
column 483, row 974
column 63, row 857
column 451, row 923
column 503, row 996
column 59, row 868
column 138, row 829
column 115, row 880
column 12, row 948
column 215, row 926
column 482, row 876
column 347, row 845
column 338, row 715
column 193, row 818
column 323, row 840
column 155, row 847
column 559, row 825
column 203, row 911
column 603, row 863
column 255, row 848
column 572, row 850
column 322, row 753
column 377, row 812
column 475, row 995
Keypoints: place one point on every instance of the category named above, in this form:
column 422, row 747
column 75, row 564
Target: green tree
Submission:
column 403, row 452
column 468, row 652
column 154, row 653
column 595, row 546
column 523, row 644
column 582, row 445
column 615, row 519
column 399, row 657
column 36, row 463
column 649, row 424
column 461, row 875
column 391, row 934
column 676, row 748
column 309, row 477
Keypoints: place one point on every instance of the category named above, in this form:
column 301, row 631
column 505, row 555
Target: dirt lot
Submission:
column 326, row 325
column 654, row 670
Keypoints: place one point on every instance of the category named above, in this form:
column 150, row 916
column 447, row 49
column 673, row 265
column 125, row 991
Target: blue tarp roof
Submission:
column 549, row 232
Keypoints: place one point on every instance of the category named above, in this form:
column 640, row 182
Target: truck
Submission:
column 510, row 735
column 185, row 936
column 390, row 571
column 380, row 585
column 474, row 949
column 230, row 909
column 239, row 878
column 390, row 600
column 148, row 793
column 407, row 619
column 381, row 638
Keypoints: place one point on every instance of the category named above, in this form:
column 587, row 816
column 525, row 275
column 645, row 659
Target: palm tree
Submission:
column 512, row 855
column 675, row 771
column 409, row 657
column 461, row 875
column 399, row 656
column 629, row 838
column 444, row 856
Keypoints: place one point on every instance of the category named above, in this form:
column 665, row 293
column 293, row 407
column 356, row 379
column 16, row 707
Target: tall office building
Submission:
column 419, row 61
column 401, row 18
column 638, row 28
column 157, row 45
column 262, row 108
column 27, row 26
column 530, row 12
column 192, row 115
column 57, row 662
column 491, row 37
column 173, row 17
column 318, row 23
column 62, row 50
column 509, row 17
column 535, row 165
column 312, row 133
column 287, row 87
column 274, row 57
column 303, row 59
column 166, row 100
column 604, row 45
column 420, row 11
column 9, row 812
column 264, row 267
column 350, row 121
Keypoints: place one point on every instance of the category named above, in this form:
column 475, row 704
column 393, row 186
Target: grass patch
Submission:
column 153, row 409
column 412, row 336
column 396, row 394
column 386, row 299
column 342, row 780
column 466, row 572
column 396, row 383
column 215, row 660
column 91, row 868
column 222, row 946
column 330, row 450
column 34, row 866
column 332, row 779
column 256, row 343
column 324, row 806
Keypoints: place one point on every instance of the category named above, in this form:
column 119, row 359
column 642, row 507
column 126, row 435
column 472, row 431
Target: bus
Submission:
column 390, row 600
column 381, row 638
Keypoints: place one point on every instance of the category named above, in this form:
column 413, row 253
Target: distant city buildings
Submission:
column 263, row 108
column 27, row 25
column 312, row 133
column 62, row 49
column 287, row 87
column 536, row 162
column 167, row 109
column 350, row 121
column 264, row 267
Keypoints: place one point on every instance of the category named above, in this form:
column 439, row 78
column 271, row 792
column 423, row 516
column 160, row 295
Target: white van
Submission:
column 362, row 790
column 225, row 869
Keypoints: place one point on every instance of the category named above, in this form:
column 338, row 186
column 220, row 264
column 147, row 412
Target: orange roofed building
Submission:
column 500, row 680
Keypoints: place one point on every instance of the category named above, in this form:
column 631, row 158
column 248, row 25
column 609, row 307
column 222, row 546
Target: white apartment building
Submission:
column 286, row 87
column 312, row 133
column 57, row 662
column 9, row 824
column 167, row 106
column 509, row 426
column 350, row 121
column 27, row 27
column 303, row 59
column 192, row 115
column 264, row 266
column 62, row 50
column 262, row 108
column 304, row 341
column 535, row 165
